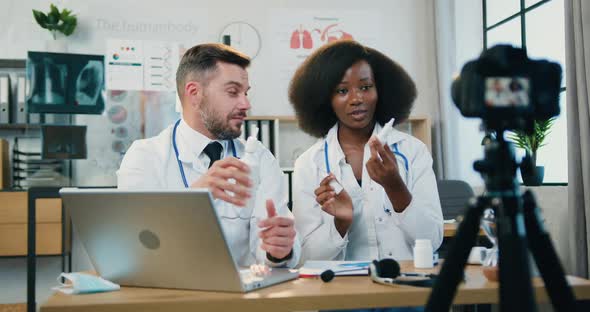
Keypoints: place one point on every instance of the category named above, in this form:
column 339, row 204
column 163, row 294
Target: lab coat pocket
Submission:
column 237, row 236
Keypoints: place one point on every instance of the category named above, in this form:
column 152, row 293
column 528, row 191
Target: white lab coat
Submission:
column 151, row 164
column 374, row 233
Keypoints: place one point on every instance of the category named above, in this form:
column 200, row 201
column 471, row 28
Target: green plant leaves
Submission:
column 532, row 142
column 69, row 25
column 41, row 18
column 54, row 21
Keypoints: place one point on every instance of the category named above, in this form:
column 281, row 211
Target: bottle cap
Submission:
column 252, row 141
column 384, row 133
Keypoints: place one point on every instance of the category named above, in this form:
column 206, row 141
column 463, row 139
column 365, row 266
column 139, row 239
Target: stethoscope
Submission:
column 231, row 143
column 396, row 152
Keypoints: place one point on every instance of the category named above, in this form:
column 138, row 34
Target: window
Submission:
column 538, row 26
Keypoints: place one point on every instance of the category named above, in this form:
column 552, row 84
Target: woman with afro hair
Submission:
column 344, row 93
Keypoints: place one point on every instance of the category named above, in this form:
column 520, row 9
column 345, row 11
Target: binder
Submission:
column 4, row 99
column 4, row 165
column 265, row 134
column 21, row 110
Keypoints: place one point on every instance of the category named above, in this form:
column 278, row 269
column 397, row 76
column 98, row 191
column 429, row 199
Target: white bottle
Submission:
column 336, row 186
column 250, row 157
column 423, row 255
column 385, row 131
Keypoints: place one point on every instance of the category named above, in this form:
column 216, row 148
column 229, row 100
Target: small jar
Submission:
column 423, row 254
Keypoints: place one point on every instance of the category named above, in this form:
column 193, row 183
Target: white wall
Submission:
column 407, row 28
column 460, row 40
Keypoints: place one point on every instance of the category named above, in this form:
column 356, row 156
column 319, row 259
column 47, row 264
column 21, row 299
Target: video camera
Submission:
column 508, row 90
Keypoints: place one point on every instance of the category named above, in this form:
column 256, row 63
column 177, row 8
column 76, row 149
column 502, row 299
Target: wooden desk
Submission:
column 302, row 294
column 450, row 230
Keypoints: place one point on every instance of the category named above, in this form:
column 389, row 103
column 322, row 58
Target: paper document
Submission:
column 315, row 268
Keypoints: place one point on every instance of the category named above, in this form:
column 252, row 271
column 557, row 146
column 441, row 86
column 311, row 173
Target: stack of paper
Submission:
column 315, row 268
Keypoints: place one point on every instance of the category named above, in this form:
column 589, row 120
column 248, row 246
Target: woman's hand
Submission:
column 382, row 168
column 339, row 206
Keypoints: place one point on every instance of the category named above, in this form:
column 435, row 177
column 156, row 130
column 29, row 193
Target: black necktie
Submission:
column 213, row 151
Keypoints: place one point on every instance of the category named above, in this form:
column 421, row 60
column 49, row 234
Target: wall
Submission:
column 406, row 25
column 406, row 28
column 459, row 30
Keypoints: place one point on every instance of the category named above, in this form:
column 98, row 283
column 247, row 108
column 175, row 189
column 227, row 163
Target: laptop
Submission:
column 163, row 239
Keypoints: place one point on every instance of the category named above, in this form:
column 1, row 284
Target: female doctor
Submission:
column 344, row 93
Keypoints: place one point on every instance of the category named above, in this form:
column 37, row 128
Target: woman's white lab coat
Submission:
column 377, row 231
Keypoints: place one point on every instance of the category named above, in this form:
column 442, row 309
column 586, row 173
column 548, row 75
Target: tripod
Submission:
column 518, row 227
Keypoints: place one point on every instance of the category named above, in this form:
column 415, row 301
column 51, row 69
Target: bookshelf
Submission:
column 282, row 129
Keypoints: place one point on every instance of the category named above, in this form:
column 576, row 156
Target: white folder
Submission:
column 4, row 99
column 21, row 109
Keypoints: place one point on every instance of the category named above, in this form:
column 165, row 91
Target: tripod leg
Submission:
column 546, row 258
column 516, row 291
column 451, row 273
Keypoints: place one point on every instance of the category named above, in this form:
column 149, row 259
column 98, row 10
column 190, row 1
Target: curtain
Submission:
column 577, row 20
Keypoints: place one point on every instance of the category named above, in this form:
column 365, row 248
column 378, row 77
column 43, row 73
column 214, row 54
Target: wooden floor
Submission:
column 19, row 307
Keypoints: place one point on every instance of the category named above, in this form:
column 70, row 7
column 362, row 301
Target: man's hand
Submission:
column 278, row 233
column 217, row 180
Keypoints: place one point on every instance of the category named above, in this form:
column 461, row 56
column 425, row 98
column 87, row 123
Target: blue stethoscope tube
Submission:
column 231, row 143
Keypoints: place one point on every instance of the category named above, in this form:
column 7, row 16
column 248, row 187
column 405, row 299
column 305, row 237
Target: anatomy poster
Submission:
column 296, row 33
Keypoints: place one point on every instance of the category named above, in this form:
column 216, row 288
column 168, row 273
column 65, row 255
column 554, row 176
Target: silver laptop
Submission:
column 165, row 239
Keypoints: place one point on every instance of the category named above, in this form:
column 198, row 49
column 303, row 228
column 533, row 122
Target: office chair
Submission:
column 454, row 195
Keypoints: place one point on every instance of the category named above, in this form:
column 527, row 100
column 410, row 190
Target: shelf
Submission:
column 417, row 126
column 279, row 118
column 19, row 127
column 4, row 63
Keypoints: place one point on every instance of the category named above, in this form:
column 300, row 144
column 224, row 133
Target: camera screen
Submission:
column 507, row 91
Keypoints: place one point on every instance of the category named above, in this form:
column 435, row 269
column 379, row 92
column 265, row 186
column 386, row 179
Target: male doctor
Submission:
column 202, row 150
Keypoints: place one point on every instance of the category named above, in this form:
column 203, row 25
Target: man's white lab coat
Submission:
column 152, row 164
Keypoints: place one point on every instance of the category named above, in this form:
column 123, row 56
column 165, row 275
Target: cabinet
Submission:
column 13, row 224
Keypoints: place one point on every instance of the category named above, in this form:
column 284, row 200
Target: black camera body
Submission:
column 507, row 90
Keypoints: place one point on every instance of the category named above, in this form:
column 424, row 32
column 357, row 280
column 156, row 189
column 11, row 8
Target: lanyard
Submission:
column 231, row 143
column 395, row 152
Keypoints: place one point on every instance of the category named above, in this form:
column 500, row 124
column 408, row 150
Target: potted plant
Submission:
column 531, row 143
column 56, row 22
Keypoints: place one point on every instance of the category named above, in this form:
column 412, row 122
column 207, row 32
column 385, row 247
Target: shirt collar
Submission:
column 191, row 143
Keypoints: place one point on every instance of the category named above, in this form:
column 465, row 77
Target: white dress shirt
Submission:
column 377, row 231
column 151, row 164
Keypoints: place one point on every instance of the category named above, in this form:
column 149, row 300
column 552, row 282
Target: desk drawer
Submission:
column 13, row 208
column 13, row 239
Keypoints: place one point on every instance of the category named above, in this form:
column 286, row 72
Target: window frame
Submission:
column 522, row 14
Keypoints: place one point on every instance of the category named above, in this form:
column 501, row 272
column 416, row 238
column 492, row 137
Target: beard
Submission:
column 219, row 126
